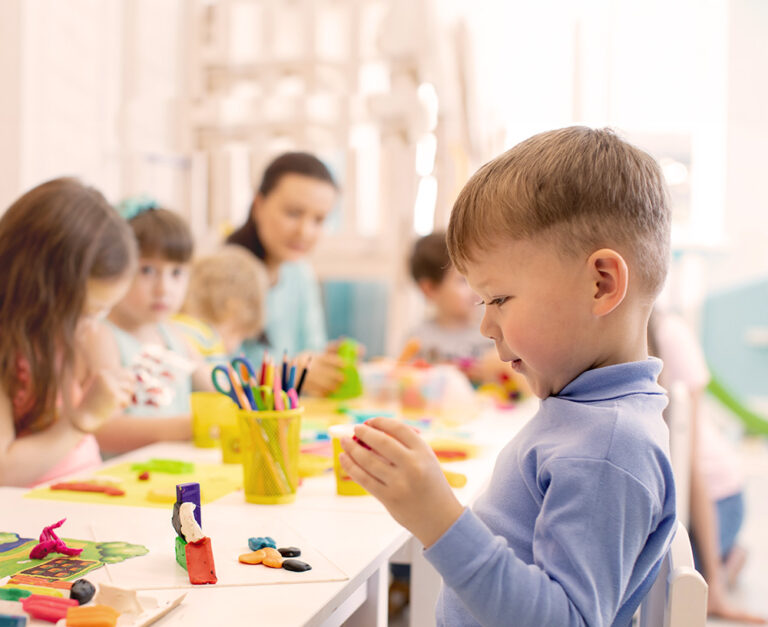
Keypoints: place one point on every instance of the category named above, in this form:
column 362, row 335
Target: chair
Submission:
column 678, row 417
column 678, row 597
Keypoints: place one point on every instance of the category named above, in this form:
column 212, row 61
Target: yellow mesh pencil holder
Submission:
column 269, row 445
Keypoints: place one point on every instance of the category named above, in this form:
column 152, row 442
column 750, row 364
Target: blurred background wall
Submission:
column 187, row 100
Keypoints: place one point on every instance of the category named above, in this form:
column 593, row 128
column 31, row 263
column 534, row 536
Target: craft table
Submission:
column 352, row 539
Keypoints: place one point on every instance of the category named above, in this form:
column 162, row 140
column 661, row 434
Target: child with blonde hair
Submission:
column 139, row 334
column 565, row 237
column 225, row 300
column 66, row 258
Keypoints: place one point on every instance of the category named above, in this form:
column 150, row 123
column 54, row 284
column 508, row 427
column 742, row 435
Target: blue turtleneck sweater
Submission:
column 578, row 514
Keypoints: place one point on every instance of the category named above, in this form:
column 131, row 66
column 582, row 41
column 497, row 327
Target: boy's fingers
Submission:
column 369, row 460
column 388, row 447
column 358, row 474
column 396, row 429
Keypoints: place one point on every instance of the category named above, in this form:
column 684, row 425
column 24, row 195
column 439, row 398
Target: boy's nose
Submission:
column 488, row 327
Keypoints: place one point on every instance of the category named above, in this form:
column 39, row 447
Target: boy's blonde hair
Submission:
column 584, row 188
column 231, row 275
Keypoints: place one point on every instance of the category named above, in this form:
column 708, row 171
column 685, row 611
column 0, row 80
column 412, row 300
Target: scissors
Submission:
column 267, row 401
column 237, row 385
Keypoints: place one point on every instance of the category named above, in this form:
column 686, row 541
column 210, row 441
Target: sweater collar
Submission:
column 610, row 382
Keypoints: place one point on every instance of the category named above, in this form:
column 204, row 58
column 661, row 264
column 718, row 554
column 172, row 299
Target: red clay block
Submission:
column 200, row 566
column 47, row 608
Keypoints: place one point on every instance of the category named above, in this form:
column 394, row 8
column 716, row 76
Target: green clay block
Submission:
column 181, row 552
column 168, row 466
column 13, row 594
column 352, row 386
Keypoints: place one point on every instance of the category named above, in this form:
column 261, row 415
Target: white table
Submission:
column 356, row 534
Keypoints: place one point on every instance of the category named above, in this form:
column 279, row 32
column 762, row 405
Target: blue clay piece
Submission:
column 259, row 543
column 296, row 565
column 290, row 551
column 82, row 591
column 12, row 620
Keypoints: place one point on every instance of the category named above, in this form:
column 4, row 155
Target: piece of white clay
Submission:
column 189, row 527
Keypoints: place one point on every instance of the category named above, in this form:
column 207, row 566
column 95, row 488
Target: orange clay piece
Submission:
column 273, row 558
column 254, row 557
column 84, row 486
column 92, row 616
column 30, row 580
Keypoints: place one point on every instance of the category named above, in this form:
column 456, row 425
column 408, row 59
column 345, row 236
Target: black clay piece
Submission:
column 175, row 520
column 296, row 565
column 290, row 551
column 82, row 591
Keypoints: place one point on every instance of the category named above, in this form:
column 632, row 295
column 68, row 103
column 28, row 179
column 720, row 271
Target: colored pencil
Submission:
column 239, row 392
column 292, row 376
column 284, row 377
column 303, row 376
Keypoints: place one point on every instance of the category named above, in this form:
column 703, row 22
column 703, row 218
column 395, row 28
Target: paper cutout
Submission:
column 14, row 558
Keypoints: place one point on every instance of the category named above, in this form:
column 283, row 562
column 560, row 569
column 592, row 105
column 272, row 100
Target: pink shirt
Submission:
column 684, row 361
column 83, row 457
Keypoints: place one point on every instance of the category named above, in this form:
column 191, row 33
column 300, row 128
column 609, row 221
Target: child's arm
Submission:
column 593, row 523
column 24, row 460
column 125, row 432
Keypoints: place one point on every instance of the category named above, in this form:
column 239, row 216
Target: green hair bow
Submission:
column 132, row 206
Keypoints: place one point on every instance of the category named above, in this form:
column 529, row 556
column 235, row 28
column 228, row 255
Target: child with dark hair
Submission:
column 285, row 221
column 141, row 336
column 450, row 333
column 66, row 258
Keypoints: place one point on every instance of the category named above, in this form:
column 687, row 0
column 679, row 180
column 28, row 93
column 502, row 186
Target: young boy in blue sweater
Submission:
column 566, row 239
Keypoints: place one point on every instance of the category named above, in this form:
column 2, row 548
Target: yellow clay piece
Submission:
column 254, row 557
column 273, row 562
column 92, row 616
column 455, row 479
column 273, row 558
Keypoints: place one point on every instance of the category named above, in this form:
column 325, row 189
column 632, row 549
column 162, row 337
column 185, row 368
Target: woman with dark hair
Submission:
column 296, row 194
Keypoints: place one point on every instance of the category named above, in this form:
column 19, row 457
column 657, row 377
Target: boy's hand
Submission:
column 108, row 391
column 401, row 470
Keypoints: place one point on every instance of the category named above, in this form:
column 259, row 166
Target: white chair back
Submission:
column 678, row 597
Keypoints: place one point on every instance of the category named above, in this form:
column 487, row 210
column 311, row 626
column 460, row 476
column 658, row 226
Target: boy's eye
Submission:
column 178, row 271
column 146, row 270
column 500, row 300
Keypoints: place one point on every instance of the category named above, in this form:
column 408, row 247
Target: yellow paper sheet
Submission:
column 216, row 480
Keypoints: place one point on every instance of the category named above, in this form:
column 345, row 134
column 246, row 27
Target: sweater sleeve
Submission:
column 594, row 522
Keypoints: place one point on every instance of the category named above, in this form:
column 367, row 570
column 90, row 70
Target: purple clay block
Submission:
column 190, row 493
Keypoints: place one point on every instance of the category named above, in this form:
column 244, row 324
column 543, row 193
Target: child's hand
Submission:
column 108, row 391
column 400, row 469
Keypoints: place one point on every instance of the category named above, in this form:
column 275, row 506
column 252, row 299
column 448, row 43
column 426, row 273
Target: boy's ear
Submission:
column 611, row 277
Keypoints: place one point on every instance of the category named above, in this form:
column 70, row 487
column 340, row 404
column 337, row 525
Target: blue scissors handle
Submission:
column 246, row 364
column 229, row 389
